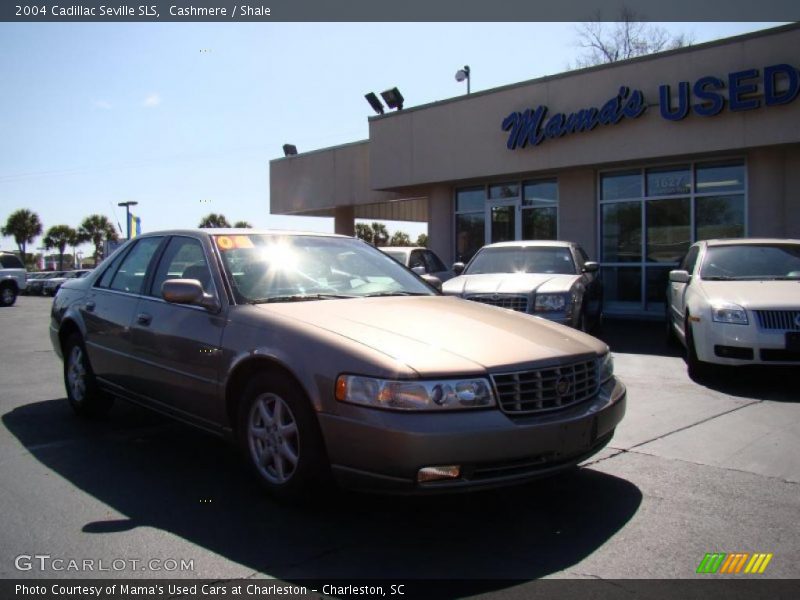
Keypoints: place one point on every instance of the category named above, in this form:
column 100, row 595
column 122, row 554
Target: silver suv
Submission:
column 12, row 278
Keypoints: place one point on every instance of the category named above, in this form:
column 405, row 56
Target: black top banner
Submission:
column 406, row 10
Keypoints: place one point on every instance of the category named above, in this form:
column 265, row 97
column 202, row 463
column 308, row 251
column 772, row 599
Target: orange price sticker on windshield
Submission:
column 242, row 241
column 227, row 242
column 224, row 242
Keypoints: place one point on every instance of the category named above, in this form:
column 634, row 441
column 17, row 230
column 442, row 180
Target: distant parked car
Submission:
column 12, row 278
column 737, row 302
column 325, row 358
column 31, row 278
column 36, row 287
column 554, row 280
column 420, row 260
column 52, row 285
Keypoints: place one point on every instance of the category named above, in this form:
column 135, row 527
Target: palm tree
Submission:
column 59, row 237
column 380, row 235
column 97, row 229
column 213, row 220
column 400, row 238
column 242, row 225
column 23, row 225
column 364, row 232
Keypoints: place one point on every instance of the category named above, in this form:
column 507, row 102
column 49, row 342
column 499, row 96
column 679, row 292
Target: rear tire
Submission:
column 281, row 440
column 83, row 393
column 8, row 294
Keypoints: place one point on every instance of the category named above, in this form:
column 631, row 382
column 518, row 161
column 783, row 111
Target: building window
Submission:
column 540, row 210
column 470, row 222
column 649, row 217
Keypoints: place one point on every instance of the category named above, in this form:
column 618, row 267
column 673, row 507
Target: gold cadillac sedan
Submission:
column 324, row 359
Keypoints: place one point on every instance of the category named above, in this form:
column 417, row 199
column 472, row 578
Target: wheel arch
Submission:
column 244, row 371
column 67, row 329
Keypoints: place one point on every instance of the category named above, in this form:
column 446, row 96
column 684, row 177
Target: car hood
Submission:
column 760, row 294
column 508, row 283
column 436, row 335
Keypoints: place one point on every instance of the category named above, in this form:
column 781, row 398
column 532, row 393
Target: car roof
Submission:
column 401, row 248
column 234, row 231
column 532, row 243
column 740, row 241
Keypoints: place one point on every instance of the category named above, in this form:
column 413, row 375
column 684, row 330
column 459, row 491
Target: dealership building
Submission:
column 634, row 160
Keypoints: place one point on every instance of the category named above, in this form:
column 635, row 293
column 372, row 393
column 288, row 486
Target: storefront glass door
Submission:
column 502, row 224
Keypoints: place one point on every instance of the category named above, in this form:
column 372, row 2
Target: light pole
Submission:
column 463, row 74
column 127, row 206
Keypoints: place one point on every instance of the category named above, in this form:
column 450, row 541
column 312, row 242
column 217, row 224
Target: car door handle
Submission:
column 143, row 319
column 90, row 306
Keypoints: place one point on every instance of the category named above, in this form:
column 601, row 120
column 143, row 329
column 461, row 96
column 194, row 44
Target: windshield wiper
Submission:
column 300, row 298
column 377, row 294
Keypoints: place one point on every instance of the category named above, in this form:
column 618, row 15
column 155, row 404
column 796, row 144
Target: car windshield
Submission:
column 398, row 255
column 277, row 268
column 522, row 259
column 751, row 261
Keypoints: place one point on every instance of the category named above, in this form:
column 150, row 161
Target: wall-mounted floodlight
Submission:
column 463, row 74
column 289, row 150
column 374, row 102
column 393, row 98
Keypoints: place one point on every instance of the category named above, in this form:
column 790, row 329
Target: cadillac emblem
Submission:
column 563, row 387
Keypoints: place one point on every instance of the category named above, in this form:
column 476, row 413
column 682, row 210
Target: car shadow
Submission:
column 638, row 337
column 776, row 383
column 165, row 475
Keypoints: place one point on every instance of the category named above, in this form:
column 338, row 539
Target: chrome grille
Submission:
column 546, row 389
column 778, row 319
column 516, row 302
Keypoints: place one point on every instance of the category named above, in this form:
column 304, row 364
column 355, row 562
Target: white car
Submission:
column 420, row 260
column 737, row 302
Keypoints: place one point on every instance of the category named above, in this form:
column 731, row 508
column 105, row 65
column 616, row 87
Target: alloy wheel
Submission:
column 273, row 438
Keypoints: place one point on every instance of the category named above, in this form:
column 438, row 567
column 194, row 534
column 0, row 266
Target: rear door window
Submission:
column 131, row 274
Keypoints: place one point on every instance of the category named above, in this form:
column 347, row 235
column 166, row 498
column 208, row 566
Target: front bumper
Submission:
column 728, row 344
column 383, row 451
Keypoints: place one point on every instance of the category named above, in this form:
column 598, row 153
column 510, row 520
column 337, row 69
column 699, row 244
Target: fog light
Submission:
column 436, row 473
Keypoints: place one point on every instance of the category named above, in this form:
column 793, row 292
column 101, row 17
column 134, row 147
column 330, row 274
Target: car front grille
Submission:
column 546, row 389
column 778, row 319
column 516, row 302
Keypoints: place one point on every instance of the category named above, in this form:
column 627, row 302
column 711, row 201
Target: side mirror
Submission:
column 419, row 270
column 679, row 276
column 188, row 291
column 591, row 267
column 458, row 268
column 433, row 281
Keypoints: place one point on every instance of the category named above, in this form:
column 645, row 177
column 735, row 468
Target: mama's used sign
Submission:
column 711, row 96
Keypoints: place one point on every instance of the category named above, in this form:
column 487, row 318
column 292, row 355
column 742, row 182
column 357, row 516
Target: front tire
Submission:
column 696, row 367
column 83, row 394
column 280, row 437
column 8, row 294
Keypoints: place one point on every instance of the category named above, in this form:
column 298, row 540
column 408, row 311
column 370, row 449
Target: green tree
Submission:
column 380, row 235
column 97, row 229
column 59, row 237
column 242, row 225
column 364, row 232
column 213, row 220
column 400, row 238
column 422, row 239
column 23, row 225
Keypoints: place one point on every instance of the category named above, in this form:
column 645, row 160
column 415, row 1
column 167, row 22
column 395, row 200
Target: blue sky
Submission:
column 184, row 118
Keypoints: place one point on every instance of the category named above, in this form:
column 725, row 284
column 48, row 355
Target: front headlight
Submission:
column 726, row 312
column 605, row 367
column 551, row 302
column 415, row 395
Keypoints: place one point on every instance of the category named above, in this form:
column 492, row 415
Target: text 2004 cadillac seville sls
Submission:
column 325, row 359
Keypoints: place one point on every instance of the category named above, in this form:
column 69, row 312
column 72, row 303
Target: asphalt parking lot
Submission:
column 694, row 468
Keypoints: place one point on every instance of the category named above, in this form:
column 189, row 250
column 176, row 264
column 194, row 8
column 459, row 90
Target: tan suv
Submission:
column 324, row 358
